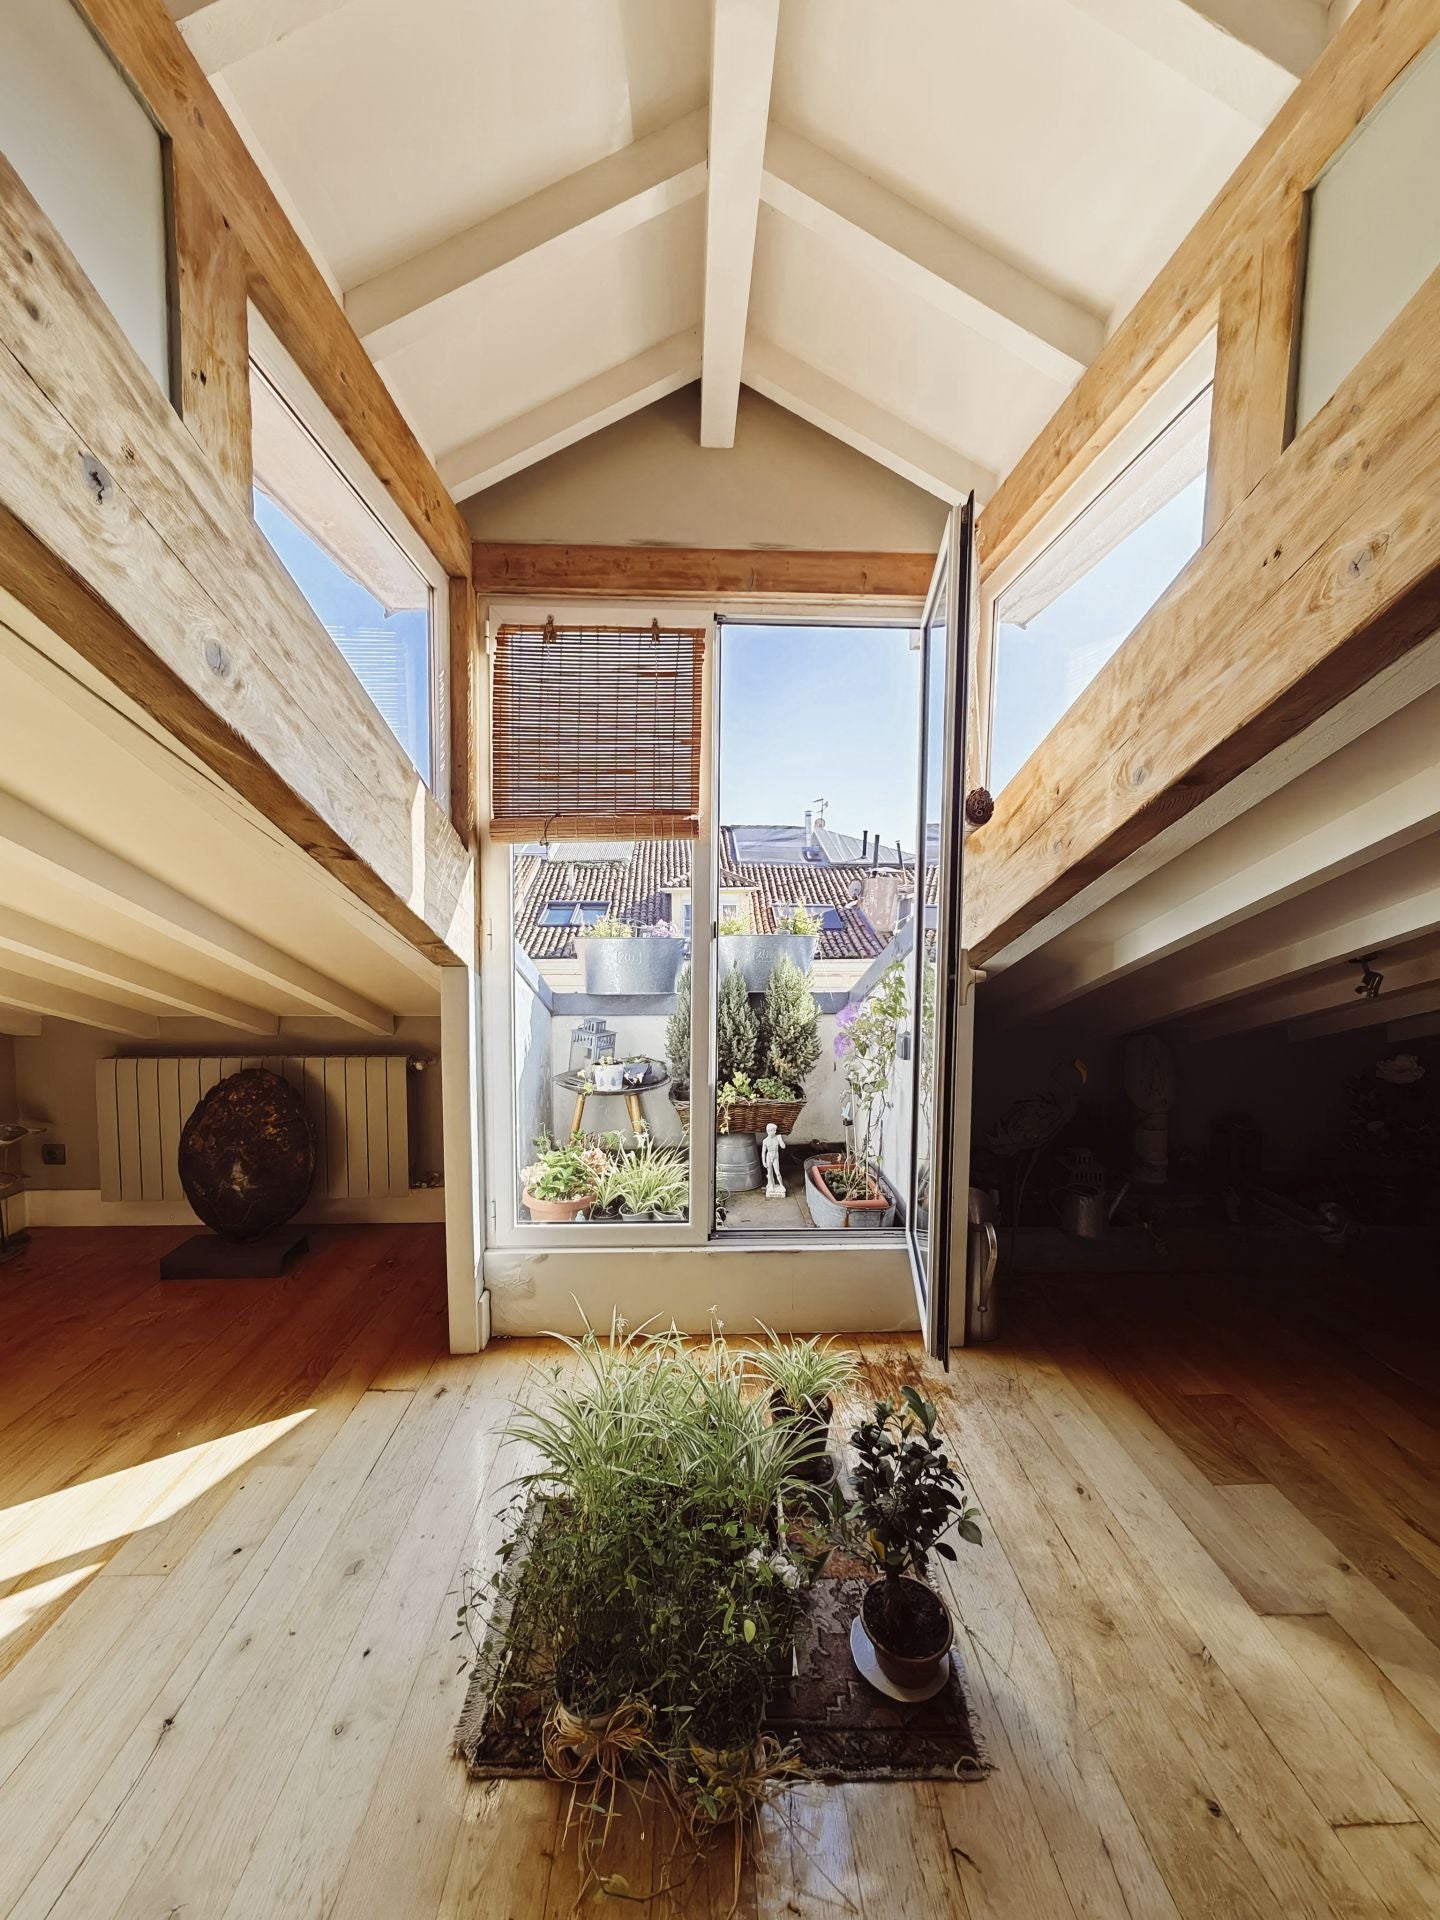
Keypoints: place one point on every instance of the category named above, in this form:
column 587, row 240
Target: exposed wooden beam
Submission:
column 742, row 65
column 1328, row 572
column 878, row 232
column 32, row 995
column 1372, row 47
column 96, row 874
column 118, row 532
column 1269, row 987
column 285, row 282
column 841, row 412
column 1248, row 53
column 761, row 573
column 1380, row 796
column 559, row 423
column 221, row 33
column 36, row 940
column 211, row 332
column 547, row 233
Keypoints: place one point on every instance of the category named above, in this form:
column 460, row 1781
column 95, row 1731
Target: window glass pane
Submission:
column 367, row 593
column 601, row 1034
column 1058, row 624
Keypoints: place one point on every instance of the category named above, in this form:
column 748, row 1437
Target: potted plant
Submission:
column 795, row 938
column 847, row 1190
column 787, row 1045
column 803, row 1377
column 564, row 1183
column 647, row 1182
column 608, row 1074
column 907, row 1494
column 677, row 1047
column 617, row 958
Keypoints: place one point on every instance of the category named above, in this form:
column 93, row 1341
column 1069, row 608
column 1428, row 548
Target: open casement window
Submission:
column 596, row 733
column 1108, row 555
column 357, row 563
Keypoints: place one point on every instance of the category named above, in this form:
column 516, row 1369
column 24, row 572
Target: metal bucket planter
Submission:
column 756, row 955
column 647, row 964
column 827, row 1211
column 737, row 1163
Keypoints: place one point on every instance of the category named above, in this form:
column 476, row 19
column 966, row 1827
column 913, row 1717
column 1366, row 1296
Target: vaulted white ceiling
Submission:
column 912, row 223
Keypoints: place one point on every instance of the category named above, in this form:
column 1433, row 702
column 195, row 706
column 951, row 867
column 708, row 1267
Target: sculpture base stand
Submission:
column 205, row 1256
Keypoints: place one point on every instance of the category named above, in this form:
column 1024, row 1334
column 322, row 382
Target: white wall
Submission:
column 55, row 1075
column 91, row 156
column 647, row 481
column 1374, row 232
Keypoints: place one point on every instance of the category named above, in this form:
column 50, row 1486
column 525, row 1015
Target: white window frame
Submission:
column 870, row 1267
column 1165, row 406
column 279, row 368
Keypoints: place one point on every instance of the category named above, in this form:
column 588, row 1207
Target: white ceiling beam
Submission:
column 1395, row 1002
column 1271, row 864
column 559, row 423
column 545, row 234
column 878, row 232
column 221, row 32
column 841, row 412
column 19, row 1026
column 742, row 66
column 1248, row 53
column 1419, row 1026
column 32, row 995
column 96, row 874
column 1270, row 989
column 36, row 940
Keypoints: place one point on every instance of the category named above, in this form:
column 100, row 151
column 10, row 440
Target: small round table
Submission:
column 583, row 1091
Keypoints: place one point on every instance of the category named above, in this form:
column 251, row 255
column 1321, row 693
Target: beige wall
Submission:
column 55, row 1075
column 7, row 1078
column 647, row 481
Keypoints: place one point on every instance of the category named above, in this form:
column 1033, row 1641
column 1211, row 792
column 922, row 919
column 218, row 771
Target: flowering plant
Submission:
column 575, row 1171
column 659, row 930
column 865, row 1041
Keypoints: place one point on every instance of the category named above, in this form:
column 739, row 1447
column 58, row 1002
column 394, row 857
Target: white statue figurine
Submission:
column 770, row 1158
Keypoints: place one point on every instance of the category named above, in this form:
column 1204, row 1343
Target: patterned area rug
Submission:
column 846, row 1729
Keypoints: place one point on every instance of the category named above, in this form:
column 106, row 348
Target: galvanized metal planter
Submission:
column 737, row 1163
column 647, row 964
column 756, row 955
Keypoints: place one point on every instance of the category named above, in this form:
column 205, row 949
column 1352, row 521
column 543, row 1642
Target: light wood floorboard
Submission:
column 1203, row 1635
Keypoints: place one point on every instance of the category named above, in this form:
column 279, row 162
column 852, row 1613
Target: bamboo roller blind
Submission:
column 595, row 733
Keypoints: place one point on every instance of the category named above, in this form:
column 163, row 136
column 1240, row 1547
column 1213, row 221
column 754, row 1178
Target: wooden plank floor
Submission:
column 1203, row 1634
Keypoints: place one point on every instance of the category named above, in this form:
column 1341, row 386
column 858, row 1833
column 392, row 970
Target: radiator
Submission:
column 356, row 1101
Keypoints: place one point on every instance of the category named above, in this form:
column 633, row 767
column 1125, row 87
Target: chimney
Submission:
column 809, row 830
column 865, row 844
column 875, row 857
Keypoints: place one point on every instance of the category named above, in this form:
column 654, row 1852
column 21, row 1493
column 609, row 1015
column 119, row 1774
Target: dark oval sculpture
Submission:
column 247, row 1154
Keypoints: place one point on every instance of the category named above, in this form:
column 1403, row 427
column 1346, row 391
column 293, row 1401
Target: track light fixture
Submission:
column 1370, row 981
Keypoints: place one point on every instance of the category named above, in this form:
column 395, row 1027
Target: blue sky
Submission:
column 819, row 712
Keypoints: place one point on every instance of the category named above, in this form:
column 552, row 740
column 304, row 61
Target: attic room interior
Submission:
column 719, row 959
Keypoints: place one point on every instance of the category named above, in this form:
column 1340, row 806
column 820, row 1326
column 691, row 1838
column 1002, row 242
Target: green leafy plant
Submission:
column 799, row 920
column 907, row 1492
column 866, row 1037
column 608, row 928
column 677, row 1033
column 731, row 923
column 802, row 1371
column 575, row 1171
column 789, row 1025
column 736, row 1029
column 646, row 1178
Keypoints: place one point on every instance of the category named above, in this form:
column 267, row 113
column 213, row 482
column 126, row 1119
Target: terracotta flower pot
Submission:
column 914, row 1658
column 578, row 1208
column 875, row 1209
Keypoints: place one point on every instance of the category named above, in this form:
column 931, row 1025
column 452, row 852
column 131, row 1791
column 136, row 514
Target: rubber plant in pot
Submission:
column 803, row 1377
column 907, row 1495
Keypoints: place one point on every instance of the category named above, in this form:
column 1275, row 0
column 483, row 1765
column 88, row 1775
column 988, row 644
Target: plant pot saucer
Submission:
column 869, row 1669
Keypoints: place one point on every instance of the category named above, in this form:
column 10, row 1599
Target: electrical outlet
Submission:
column 52, row 1154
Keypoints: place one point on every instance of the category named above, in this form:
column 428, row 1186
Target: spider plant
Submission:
column 803, row 1372
column 646, row 1179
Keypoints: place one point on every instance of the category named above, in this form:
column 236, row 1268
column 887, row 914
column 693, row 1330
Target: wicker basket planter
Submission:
column 753, row 1116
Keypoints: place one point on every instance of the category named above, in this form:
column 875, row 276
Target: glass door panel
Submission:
column 935, row 969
